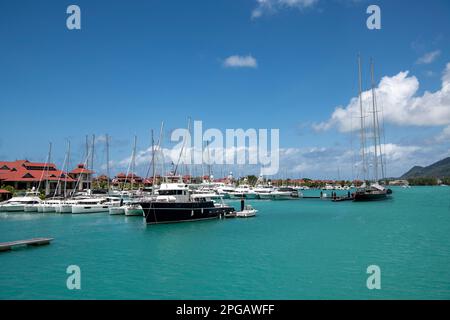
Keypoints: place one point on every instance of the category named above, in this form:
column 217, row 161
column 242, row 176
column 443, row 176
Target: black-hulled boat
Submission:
column 375, row 192
column 175, row 203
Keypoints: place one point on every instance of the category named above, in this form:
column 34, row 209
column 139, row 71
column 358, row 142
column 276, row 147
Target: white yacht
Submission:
column 93, row 205
column 134, row 209
column 225, row 190
column 244, row 191
column 49, row 205
column 17, row 204
column 117, row 210
column 264, row 191
column 285, row 193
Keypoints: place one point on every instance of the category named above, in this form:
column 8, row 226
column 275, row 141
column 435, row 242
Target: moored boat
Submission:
column 248, row 212
column 175, row 204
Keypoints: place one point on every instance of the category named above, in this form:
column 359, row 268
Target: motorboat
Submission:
column 133, row 209
column 176, row 203
column 248, row 212
column 244, row 191
column 285, row 193
column 264, row 192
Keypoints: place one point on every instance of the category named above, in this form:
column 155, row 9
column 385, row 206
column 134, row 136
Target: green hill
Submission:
column 440, row 169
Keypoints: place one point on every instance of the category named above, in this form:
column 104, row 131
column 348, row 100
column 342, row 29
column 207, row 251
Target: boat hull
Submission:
column 30, row 208
column 166, row 212
column 48, row 209
column 248, row 196
column 134, row 212
column 116, row 211
column 64, row 208
column 14, row 208
column 370, row 196
column 81, row 209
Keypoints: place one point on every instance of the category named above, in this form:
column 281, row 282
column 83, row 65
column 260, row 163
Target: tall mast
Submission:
column 133, row 162
column 92, row 154
column 67, row 169
column 107, row 160
column 92, row 159
column 182, row 148
column 153, row 164
column 375, row 133
column 48, row 165
column 363, row 138
column 87, row 152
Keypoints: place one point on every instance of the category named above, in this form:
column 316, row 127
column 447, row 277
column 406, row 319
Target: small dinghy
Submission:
column 248, row 212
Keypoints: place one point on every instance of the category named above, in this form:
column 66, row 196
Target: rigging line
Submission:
column 46, row 166
column 83, row 170
column 363, row 138
column 59, row 177
column 374, row 123
column 182, row 148
column 379, row 137
column 384, row 135
column 67, row 170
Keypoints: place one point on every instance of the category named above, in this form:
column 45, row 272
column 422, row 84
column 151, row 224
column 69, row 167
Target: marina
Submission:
column 214, row 152
column 321, row 249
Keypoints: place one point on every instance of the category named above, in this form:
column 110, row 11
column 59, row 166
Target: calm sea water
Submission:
column 306, row 249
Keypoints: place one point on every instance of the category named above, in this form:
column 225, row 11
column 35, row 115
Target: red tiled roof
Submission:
column 19, row 171
column 4, row 191
column 81, row 169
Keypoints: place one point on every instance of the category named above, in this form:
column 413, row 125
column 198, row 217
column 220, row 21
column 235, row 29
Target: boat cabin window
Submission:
column 171, row 192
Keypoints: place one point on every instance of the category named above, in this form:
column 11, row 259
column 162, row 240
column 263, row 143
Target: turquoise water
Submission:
column 306, row 249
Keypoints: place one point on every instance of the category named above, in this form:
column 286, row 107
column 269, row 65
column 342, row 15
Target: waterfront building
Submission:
column 25, row 175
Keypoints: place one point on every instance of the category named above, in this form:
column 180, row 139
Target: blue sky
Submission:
column 136, row 63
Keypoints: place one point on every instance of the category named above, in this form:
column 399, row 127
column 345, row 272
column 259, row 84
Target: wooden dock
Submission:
column 342, row 199
column 6, row 246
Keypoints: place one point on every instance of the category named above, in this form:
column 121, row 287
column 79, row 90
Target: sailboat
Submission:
column 374, row 191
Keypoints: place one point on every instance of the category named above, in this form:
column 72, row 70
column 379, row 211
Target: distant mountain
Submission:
column 440, row 169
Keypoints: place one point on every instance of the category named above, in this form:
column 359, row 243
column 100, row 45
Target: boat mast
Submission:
column 383, row 171
column 182, row 148
column 92, row 158
column 87, row 152
column 133, row 162
column 375, row 133
column 107, row 161
column 363, row 138
column 153, row 164
column 67, row 168
column 46, row 165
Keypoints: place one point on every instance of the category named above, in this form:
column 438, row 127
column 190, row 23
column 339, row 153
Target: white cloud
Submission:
column 313, row 162
column 397, row 96
column 444, row 136
column 270, row 6
column 240, row 62
column 429, row 57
